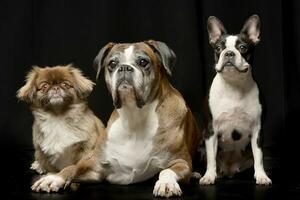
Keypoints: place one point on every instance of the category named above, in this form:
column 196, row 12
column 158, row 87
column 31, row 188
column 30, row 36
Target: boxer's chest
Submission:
column 129, row 148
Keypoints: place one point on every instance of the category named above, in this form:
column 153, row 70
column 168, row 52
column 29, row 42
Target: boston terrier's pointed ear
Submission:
column 98, row 62
column 165, row 54
column 251, row 28
column 215, row 29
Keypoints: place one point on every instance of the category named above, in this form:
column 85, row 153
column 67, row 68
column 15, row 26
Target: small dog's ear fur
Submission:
column 27, row 92
column 251, row 28
column 83, row 85
column 98, row 61
column 165, row 54
column 215, row 29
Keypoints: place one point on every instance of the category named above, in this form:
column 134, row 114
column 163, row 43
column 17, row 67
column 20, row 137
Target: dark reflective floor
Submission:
column 17, row 179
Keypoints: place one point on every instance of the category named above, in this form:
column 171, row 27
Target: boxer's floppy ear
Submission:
column 215, row 29
column 252, row 28
column 165, row 54
column 98, row 62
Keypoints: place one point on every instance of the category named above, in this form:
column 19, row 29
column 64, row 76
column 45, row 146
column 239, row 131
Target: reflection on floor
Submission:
column 17, row 179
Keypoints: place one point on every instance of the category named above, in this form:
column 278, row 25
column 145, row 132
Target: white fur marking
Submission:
column 57, row 135
column 49, row 183
column 128, row 54
column 210, row 175
column 167, row 185
column 129, row 144
column 37, row 167
column 259, row 174
column 230, row 42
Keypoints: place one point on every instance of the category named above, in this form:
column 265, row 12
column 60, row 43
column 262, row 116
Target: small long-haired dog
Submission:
column 64, row 128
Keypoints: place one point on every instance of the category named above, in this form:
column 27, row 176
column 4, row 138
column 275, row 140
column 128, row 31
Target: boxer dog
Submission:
column 150, row 131
column 234, row 103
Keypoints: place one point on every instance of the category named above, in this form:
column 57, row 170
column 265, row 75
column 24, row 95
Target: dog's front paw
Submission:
column 49, row 183
column 37, row 167
column 262, row 179
column 166, row 188
column 208, row 178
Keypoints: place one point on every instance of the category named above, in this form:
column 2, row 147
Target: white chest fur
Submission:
column 57, row 134
column 129, row 144
column 234, row 107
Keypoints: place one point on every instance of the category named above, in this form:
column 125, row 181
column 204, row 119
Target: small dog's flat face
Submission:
column 133, row 70
column 54, row 86
column 233, row 53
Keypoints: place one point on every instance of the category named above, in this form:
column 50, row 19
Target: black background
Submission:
column 48, row 33
column 55, row 32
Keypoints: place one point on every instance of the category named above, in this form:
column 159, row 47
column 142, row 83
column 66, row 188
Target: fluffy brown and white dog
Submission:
column 64, row 128
column 151, row 130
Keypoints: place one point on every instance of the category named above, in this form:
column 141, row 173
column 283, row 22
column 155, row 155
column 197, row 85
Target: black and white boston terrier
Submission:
column 234, row 104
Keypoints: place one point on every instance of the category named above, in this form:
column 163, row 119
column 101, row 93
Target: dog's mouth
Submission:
column 124, row 85
column 229, row 65
column 125, row 93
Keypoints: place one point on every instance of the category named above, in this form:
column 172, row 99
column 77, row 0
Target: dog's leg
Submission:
column 167, row 184
column 37, row 167
column 211, row 145
column 83, row 170
column 259, row 174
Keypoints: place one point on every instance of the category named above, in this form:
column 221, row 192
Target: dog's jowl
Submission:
column 234, row 105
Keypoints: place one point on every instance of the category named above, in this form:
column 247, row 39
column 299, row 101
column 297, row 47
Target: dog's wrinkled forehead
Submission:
column 129, row 53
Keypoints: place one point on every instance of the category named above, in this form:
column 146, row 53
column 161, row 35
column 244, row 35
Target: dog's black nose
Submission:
column 125, row 68
column 229, row 54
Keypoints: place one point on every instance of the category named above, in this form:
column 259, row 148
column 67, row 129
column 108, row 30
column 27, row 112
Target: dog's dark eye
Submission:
column 66, row 84
column 143, row 62
column 243, row 48
column 218, row 48
column 44, row 86
column 112, row 64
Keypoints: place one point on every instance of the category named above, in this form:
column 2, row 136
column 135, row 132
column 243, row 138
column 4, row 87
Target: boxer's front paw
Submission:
column 37, row 167
column 167, row 185
column 166, row 188
column 49, row 183
column 208, row 178
column 262, row 179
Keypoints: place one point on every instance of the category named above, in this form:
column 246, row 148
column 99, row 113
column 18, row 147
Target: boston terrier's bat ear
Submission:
column 251, row 28
column 215, row 29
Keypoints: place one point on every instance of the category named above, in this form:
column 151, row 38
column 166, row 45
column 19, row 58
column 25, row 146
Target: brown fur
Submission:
column 175, row 121
column 78, row 117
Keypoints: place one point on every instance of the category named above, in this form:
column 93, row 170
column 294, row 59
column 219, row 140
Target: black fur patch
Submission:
column 260, row 139
column 248, row 54
column 209, row 131
column 236, row 135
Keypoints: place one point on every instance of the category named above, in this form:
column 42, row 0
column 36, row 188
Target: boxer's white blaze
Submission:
column 128, row 55
column 129, row 59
